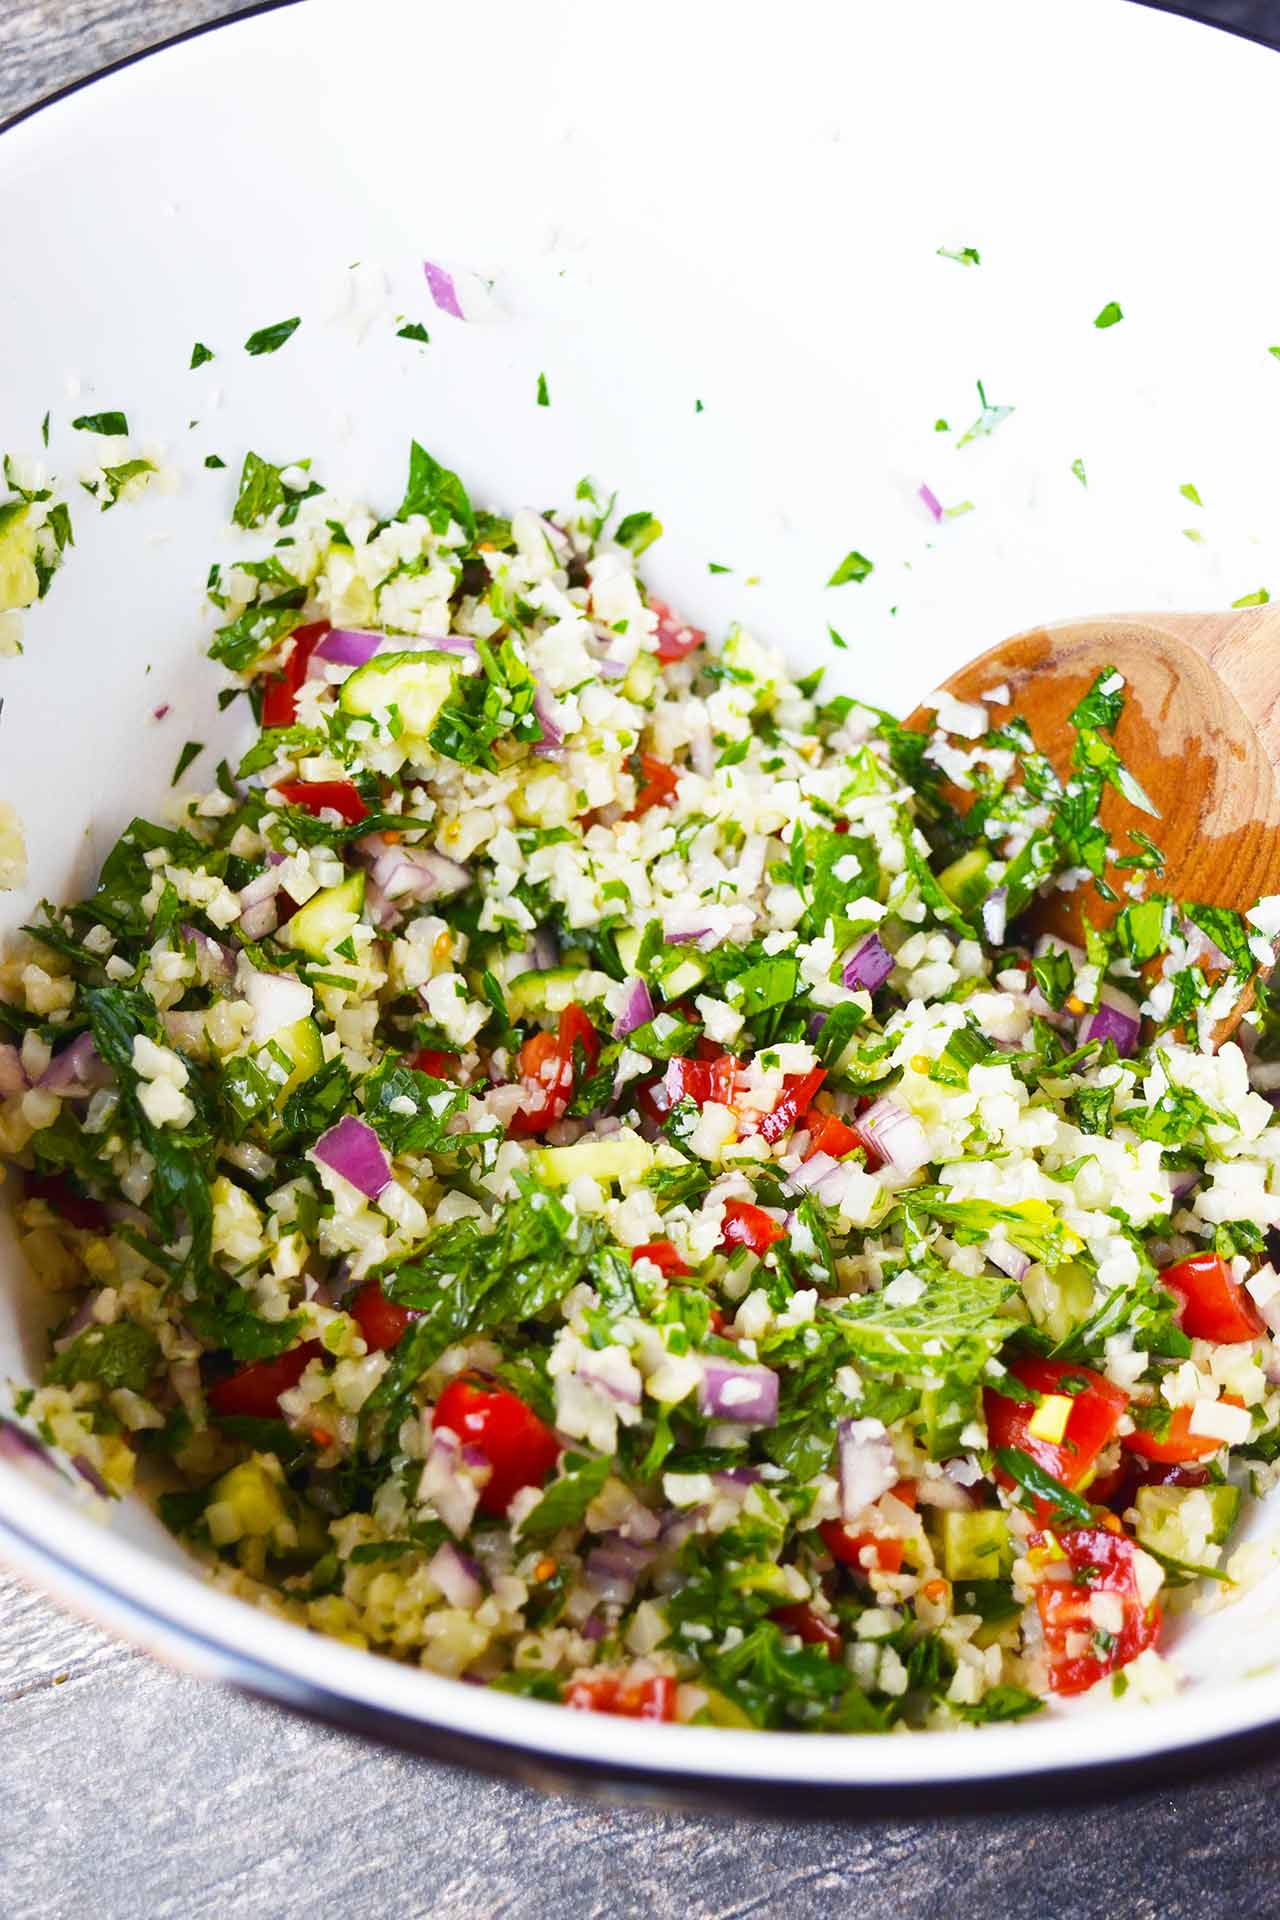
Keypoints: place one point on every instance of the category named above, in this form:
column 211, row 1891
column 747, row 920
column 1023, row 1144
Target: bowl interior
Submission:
column 719, row 244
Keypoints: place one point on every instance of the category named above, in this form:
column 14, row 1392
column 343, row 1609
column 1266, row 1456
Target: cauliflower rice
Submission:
column 562, row 1168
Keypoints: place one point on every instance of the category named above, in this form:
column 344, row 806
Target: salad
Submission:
column 567, row 1165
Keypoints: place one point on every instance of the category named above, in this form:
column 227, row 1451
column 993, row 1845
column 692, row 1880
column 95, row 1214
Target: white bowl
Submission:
column 727, row 204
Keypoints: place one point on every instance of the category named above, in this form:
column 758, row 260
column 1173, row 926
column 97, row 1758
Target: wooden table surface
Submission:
column 130, row 1793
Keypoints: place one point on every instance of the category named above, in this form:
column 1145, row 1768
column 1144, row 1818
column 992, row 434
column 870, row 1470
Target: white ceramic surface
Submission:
column 735, row 204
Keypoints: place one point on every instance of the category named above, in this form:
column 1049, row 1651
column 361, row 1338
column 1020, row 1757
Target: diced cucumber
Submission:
column 416, row 684
column 721, row 1711
column 552, row 989
column 965, row 881
column 19, row 581
column 975, row 1544
column 1182, row 1522
column 351, row 599
column 1060, row 1301
column 687, row 973
column 675, row 973
column 303, row 1046
column 327, row 919
column 642, row 678
column 628, row 944
column 253, row 1495
column 948, row 1409
column 622, row 1156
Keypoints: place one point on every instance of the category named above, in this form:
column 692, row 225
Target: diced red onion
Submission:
column 353, row 1149
column 931, row 500
column 1010, row 1259
column 456, row 1576
column 87, row 1471
column 442, row 289
column 595, row 1369
column 867, row 1465
column 451, row 1481
column 278, row 1000
column 708, row 927
column 347, row 647
column 868, row 966
column 613, row 1568
column 613, row 669
column 812, row 1172
column 77, row 1071
column 545, row 953
column 995, row 915
column 418, row 873
column 12, row 1077
column 1115, row 1018
column 1182, row 1179
column 593, row 1627
column 80, row 1319
column 22, row 1448
column 158, row 713
column 745, row 1395
column 637, row 1008
column 383, row 913
column 454, row 643
column 896, row 1135
column 257, row 921
column 942, row 1491
column 544, row 708
column 218, row 961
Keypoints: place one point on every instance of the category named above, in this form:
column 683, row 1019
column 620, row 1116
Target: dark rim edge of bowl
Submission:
column 141, row 53
column 641, row 1785
column 646, row 1784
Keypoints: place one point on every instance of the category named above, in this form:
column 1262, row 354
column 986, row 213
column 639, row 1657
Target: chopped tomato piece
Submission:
column 659, row 788
column 828, row 1133
column 380, row 1320
column 256, row 1390
column 441, row 1066
column 815, row 1629
column 521, row 1449
column 280, row 692
column 604, row 1692
column 1096, row 1408
column 549, row 1068
column 663, row 1255
column 1175, row 1445
column 1214, row 1306
column 339, row 796
column 846, row 1546
column 746, row 1225
column 1087, row 1636
column 77, row 1209
column 675, row 638
column 798, row 1090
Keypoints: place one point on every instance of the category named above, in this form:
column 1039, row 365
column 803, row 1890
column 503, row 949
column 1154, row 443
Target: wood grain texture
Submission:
column 130, row 1793
column 1200, row 733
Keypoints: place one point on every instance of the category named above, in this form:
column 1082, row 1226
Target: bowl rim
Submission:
column 173, row 1612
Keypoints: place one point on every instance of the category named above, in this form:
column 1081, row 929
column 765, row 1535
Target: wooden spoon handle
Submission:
column 1243, row 648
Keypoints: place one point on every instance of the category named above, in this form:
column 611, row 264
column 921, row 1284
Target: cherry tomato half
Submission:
column 1214, row 1306
column 339, row 796
column 604, row 1692
column 1098, row 1562
column 381, row 1321
column 1096, row 1408
column 255, row 1390
column 746, row 1225
column 519, row 1447
column 280, row 692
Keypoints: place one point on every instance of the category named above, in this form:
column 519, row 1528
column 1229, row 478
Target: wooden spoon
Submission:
column 1200, row 732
